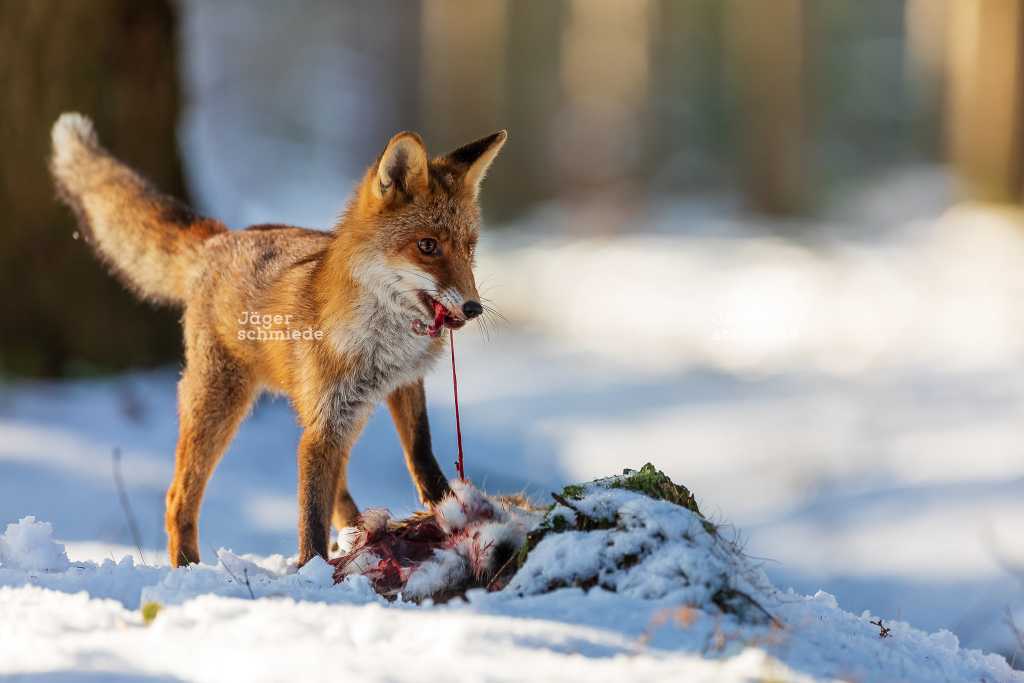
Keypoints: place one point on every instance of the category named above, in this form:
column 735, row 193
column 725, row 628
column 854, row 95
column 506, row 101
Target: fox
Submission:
column 337, row 321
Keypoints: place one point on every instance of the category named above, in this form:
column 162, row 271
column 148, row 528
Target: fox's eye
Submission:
column 427, row 245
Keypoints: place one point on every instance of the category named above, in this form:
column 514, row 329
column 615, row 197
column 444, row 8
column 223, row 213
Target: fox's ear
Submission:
column 476, row 158
column 402, row 167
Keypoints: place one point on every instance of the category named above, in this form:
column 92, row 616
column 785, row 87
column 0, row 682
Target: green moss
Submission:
column 652, row 482
column 558, row 524
column 573, row 492
column 149, row 612
column 648, row 480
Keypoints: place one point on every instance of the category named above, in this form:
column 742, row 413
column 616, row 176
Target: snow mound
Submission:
column 643, row 536
column 29, row 546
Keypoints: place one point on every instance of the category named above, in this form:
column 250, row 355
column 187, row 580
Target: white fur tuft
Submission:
column 445, row 569
column 488, row 540
column 70, row 132
column 493, row 534
column 464, row 506
column 374, row 521
column 347, row 538
column 450, row 515
column 361, row 564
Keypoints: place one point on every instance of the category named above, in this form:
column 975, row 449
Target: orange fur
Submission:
column 360, row 287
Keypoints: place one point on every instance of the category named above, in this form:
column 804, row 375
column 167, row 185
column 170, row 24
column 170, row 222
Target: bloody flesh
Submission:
column 439, row 315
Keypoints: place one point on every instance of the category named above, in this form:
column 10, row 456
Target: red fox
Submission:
column 337, row 321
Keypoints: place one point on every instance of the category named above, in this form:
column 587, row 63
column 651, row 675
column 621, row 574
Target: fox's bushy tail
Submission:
column 150, row 241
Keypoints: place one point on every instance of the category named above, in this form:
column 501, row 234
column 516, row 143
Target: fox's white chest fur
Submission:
column 387, row 352
column 390, row 354
column 382, row 352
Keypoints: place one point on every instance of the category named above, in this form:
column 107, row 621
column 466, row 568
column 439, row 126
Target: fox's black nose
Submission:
column 472, row 309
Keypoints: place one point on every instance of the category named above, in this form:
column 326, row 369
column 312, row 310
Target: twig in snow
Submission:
column 565, row 503
column 245, row 573
column 126, row 505
column 883, row 632
column 1017, row 634
column 500, row 576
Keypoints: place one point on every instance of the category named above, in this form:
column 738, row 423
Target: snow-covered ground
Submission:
column 852, row 408
column 257, row 619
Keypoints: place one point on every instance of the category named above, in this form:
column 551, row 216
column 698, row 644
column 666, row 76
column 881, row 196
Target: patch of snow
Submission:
column 302, row 628
column 118, row 580
column 28, row 545
column 317, row 572
column 212, row 639
column 649, row 549
column 238, row 577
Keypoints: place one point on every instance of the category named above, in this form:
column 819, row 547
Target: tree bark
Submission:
column 985, row 122
column 768, row 54
column 113, row 60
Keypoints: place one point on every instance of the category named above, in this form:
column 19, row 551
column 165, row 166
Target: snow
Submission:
column 300, row 626
column 29, row 546
column 214, row 639
column 649, row 549
column 260, row 619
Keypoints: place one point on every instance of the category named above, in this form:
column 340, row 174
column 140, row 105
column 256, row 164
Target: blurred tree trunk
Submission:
column 463, row 70
column 532, row 100
column 767, row 48
column 396, row 102
column 926, row 23
column 691, row 113
column 985, row 121
column 605, row 120
column 463, row 75
column 113, row 60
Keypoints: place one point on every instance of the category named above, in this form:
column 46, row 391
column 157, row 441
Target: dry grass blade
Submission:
column 126, row 506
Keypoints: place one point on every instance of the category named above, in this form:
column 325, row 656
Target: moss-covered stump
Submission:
column 642, row 535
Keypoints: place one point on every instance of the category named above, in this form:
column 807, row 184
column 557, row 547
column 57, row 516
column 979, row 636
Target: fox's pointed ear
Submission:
column 476, row 158
column 402, row 167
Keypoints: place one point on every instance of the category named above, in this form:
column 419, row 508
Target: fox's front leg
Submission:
column 319, row 465
column 323, row 460
column 408, row 406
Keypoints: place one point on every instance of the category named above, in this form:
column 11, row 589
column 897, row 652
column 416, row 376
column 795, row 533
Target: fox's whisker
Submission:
column 490, row 310
column 483, row 329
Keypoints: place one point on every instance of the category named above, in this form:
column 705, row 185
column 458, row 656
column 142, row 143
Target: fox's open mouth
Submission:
column 442, row 318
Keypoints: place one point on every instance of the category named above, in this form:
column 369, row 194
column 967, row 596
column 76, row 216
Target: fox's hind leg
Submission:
column 214, row 395
column 408, row 407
